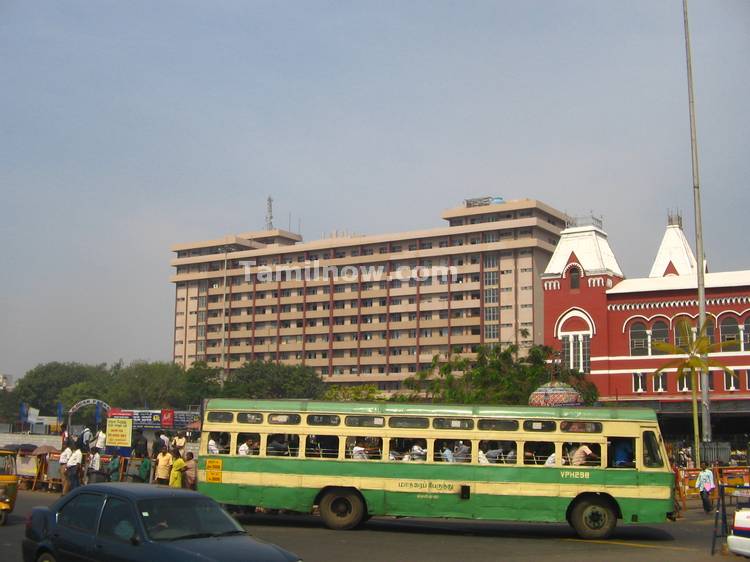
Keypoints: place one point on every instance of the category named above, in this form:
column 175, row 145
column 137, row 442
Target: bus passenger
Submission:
column 359, row 452
column 583, row 455
column 462, row 452
column 418, row 453
column 448, row 454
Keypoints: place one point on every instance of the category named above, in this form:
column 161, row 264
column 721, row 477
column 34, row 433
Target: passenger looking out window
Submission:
column 248, row 444
column 585, row 454
column 621, row 452
column 500, row 452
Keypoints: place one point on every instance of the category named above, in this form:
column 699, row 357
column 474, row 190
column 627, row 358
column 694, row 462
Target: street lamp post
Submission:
column 705, row 399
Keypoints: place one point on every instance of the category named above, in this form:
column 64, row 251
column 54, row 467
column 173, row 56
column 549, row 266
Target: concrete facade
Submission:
column 380, row 306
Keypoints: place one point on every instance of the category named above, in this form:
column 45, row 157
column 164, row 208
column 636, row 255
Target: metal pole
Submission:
column 224, row 319
column 705, row 399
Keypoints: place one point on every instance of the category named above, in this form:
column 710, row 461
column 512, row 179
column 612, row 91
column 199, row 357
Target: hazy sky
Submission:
column 126, row 127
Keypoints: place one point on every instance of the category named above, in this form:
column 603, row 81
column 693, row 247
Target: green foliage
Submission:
column 201, row 381
column 260, row 379
column 43, row 385
column 148, row 385
column 354, row 393
column 497, row 376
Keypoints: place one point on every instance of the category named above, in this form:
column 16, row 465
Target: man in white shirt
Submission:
column 249, row 447
column 64, row 458
column 95, row 463
column 72, row 466
column 359, row 452
column 100, row 440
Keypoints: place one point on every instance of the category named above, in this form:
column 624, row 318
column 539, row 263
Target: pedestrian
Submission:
column 178, row 470
column 94, row 466
column 144, row 470
column 179, row 442
column 163, row 467
column 140, row 445
column 64, row 458
column 72, row 467
column 84, row 440
column 705, row 483
column 164, row 438
column 64, row 436
column 191, row 472
column 100, row 439
column 113, row 468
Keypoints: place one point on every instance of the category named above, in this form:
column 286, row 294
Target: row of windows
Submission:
column 412, row 422
column 658, row 382
column 452, row 449
column 729, row 331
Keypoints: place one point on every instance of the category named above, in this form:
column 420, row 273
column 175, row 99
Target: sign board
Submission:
column 53, row 466
column 157, row 419
column 26, row 465
column 32, row 415
column 119, row 432
column 167, row 418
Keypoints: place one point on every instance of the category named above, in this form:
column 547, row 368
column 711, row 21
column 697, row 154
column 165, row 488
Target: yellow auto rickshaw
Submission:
column 8, row 484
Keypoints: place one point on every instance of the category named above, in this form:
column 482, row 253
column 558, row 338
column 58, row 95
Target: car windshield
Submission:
column 169, row 519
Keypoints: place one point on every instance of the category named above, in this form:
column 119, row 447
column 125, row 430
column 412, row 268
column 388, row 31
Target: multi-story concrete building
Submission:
column 367, row 309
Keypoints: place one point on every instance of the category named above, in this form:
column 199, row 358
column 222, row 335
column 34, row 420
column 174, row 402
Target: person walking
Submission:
column 705, row 483
column 191, row 472
column 178, row 470
column 163, row 467
column 64, row 458
column 72, row 467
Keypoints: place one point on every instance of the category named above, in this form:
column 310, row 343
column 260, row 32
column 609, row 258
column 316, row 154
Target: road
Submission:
column 392, row 540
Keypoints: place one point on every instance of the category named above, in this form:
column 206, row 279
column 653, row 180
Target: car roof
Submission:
column 140, row 491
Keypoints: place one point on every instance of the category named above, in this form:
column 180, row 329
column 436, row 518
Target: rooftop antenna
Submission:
column 269, row 213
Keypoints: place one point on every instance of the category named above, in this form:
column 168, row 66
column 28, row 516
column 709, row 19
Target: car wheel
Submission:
column 593, row 518
column 46, row 557
column 3, row 518
column 342, row 509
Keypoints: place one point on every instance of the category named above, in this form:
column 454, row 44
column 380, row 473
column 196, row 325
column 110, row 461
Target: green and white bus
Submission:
column 587, row 466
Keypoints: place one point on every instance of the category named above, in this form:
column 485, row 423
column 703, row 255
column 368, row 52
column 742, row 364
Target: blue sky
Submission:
column 127, row 127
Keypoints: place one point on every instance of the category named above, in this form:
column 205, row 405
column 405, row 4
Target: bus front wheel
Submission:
column 593, row 518
column 342, row 509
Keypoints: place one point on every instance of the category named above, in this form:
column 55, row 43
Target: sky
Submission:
column 126, row 127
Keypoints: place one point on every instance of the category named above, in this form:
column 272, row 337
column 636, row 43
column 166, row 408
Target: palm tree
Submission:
column 694, row 359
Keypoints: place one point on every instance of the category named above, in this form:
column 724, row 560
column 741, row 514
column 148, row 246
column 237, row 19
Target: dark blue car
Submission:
column 119, row 522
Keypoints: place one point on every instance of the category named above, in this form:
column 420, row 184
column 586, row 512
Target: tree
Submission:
column 43, row 385
column 200, row 382
column 260, row 379
column 693, row 360
column 355, row 393
column 148, row 385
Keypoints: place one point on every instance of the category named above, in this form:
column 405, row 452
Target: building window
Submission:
column 490, row 332
column 490, row 277
column 576, row 352
column 575, row 278
column 639, row 382
column 491, row 313
column 660, row 382
column 659, row 333
column 730, row 330
column 731, row 381
column 638, row 339
column 490, row 295
column 684, row 383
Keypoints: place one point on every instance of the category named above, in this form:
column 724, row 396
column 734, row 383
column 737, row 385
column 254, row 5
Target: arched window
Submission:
column 746, row 337
column 730, row 330
column 659, row 333
column 575, row 278
column 683, row 327
column 638, row 339
column 710, row 329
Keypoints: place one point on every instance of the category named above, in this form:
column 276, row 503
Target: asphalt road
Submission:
column 415, row 540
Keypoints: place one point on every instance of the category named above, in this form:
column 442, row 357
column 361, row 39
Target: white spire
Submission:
column 590, row 245
column 674, row 250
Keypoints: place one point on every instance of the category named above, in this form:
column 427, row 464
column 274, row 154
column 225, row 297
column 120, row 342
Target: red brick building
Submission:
column 605, row 325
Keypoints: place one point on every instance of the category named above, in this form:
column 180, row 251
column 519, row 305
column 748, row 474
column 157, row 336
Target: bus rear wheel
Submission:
column 342, row 509
column 593, row 518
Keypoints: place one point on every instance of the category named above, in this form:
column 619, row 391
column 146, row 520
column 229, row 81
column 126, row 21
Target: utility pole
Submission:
column 705, row 400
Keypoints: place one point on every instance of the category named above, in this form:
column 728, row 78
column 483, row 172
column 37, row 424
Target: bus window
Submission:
column 651, row 453
column 248, row 444
column 580, row 427
column 497, row 452
column 218, row 443
column 407, row 449
column 453, row 423
column 489, row 424
column 282, row 445
column 323, row 419
column 452, row 450
column 322, row 446
column 249, row 417
column 364, row 448
column 583, row 454
column 537, row 452
column 365, row 421
column 408, row 422
column 539, row 425
column 284, row 419
column 220, row 417
column 621, row 452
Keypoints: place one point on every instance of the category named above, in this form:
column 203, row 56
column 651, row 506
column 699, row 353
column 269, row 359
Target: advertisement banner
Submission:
column 119, row 432
column 167, row 418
